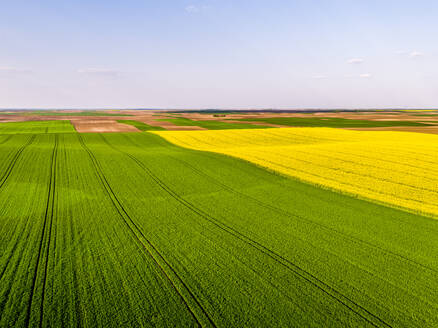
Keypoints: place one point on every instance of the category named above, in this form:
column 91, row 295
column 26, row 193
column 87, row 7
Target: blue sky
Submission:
column 219, row 54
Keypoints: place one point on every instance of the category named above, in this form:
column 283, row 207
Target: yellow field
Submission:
column 397, row 168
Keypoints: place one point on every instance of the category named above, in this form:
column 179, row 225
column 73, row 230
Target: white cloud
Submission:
column 355, row 61
column 415, row 54
column 362, row 76
column 410, row 54
column 319, row 77
column 195, row 9
column 99, row 72
column 192, row 9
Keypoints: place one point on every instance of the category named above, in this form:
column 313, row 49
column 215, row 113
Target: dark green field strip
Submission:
column 329, row 122
column 213, row 125
column 141, row 126
column 425, row 114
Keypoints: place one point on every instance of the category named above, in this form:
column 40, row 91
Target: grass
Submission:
column 36, row 127
column 330, row 122
column 213, row 125
column 141, row 126
column 128, row 230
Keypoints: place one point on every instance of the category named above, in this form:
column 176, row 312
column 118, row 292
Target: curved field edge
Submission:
column 340, row 171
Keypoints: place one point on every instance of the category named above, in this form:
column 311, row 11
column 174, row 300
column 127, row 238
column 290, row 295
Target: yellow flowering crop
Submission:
column 397, row 168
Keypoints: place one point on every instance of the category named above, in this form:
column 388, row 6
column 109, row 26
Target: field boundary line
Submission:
column 298, row 271
column 151, row 250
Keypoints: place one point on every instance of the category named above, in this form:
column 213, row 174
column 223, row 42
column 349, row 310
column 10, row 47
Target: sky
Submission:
column 219, row 54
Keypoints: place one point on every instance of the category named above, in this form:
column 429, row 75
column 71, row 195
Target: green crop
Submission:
column 127, row 230
column 213, row 124
column 36, row 127
column 330, row 122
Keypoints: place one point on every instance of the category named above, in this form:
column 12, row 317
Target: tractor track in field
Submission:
column 136, row 230
column 14, row 159
column 46, row 235
column 211, row 154
column 294, row 216
column 3, row 180
column 294, row 268
column 5, row 140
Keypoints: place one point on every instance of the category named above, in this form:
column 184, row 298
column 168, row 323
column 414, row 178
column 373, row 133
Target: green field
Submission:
column 212, row 125
column 36, row 127
column 330, row 122
column 112, row 230
column 141, row 126
column 430, row 114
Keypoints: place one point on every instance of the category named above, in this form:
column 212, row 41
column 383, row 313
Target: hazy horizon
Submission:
column 215, row 109
column 202, row 54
